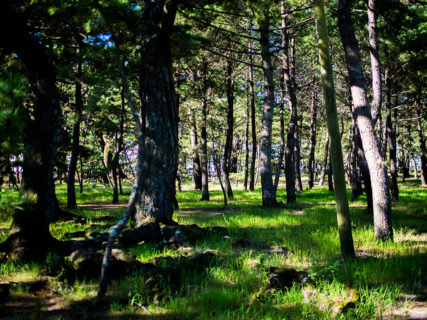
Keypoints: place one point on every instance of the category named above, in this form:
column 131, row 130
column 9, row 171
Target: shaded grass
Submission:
column 229, row 288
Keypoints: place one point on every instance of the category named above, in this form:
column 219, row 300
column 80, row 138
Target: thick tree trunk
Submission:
column 324, row 161
column 391, row 140
column 29, row 236
column 160, row 152
column 313, row 127
column 203, row 138
column 71, row 180
column 343, row 212
column 197, row 173
column 378, row 171
column 230, row 127
column 268, row 194
column 290, row 132
column 253, row 126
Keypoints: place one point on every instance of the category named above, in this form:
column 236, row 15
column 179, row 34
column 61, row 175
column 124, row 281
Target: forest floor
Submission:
column 281, row 263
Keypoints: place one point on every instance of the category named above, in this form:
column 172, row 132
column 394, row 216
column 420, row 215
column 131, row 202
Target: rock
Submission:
column 281, row 278
column 148, row 231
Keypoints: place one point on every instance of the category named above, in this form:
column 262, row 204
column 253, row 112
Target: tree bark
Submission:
column 71, row 179
column 230, row 128
column 268, row 194
column 253, row 126
column 422, row 143
column 160, row 151
column 375, row 64
column 246, row 169
column 330, row 173
column 391, row 140
column 313, row 127
column 203, row 136
column 343, row 213
column 282, row 136
column 324, row 161
column 290, row 132
column 197, row 174
column 378, row 171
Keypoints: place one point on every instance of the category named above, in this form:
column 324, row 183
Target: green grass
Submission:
column 233, row 287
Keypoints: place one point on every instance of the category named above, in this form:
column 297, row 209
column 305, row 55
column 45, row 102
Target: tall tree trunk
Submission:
column 422, row 143
column 246, row 169
column 343, row 212
column 355, row 181
column 313, row 127
column 71, row 180
column 29, row 235
column 253, row 125
column 375, row 64
column 282, row 136
column 391, row 140
column 230, row 127
column 203, row 137
column 378, row 171
column 290, row 132
column 160, row 152
column 197, row 173
column 268, row 192
column 324, row 161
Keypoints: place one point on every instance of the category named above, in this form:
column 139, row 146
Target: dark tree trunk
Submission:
column 246, row 170
column 160, row 150
column 330, row 174
column 290, row 132
column 378, row 171
column 355, row 176
column 391, row 140
column 324, row 161
column 268, row 192
column 313, row 127
column 253, row 126
column 197, row 174
column 29, row 236
column 282, row 136
column 422, row 142
column 226, row 160
column 71, row 189
column 203, row 137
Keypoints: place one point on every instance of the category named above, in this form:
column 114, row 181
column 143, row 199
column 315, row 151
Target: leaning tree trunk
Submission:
column 253, row 126
column 230, row 127
column 197, row 173
column 324, row 161
column 377, row 168
column 29, row 235
column 343, row 212
column 290, row 132
column 268, row 194
column 160, row 152
column 311, row 159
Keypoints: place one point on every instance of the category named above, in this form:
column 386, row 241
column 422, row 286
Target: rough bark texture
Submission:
column 343, row 213
column 230, row 127
column 160, row 152
column 30, row 237
column 377, row 168
column 268, row 194
column 313, row 127
column 197, row 173
column 253, row 126
column 290, row 132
